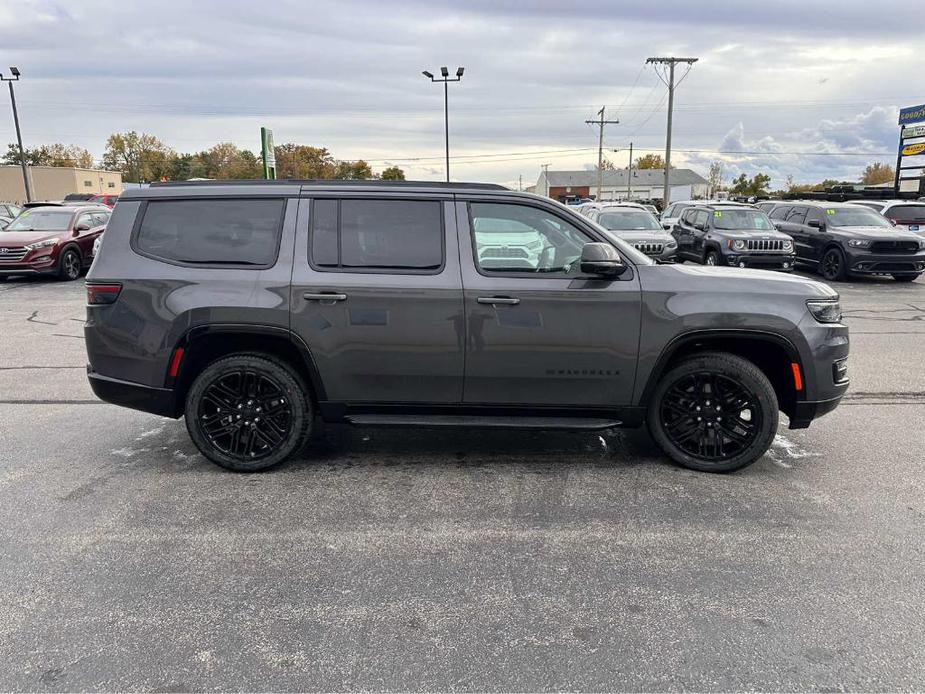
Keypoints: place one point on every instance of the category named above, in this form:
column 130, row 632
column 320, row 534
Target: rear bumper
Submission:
column 160, row 401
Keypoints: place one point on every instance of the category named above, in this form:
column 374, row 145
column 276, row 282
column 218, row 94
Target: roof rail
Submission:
column 332, row 182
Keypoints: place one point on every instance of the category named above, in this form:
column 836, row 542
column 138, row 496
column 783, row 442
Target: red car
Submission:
column 53, row 240
column 108, row 200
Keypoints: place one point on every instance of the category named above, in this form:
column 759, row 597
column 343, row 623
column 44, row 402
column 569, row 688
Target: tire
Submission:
column 688, row 435
column 832, row 265
column 712, row 258
column 69, row 265
column 905, row 278
column 248, row 412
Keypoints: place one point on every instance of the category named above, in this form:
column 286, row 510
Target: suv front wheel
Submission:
column 248, row 412
column 714, row 412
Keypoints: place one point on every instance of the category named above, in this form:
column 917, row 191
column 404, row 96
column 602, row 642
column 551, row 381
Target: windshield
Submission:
column 907, row 213
column 628, row 220
column 755, row 220
column 638, row 257
column 41, row 220
column 855, row 216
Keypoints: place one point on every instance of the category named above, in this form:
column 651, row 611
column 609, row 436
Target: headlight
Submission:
column 42, row 244
column 859, row 243
column 737, row 245
column 825, row 310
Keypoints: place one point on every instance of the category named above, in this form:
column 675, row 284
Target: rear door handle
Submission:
column 507, row 300
column 324, row 296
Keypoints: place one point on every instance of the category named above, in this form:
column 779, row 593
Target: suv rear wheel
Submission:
column 714, row 412
column 248, row 412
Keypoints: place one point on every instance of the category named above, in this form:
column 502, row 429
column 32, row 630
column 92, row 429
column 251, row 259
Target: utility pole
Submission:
column 670, row 62
column 22, row 154
column 546, row 177
column 445, row 78
column 520, row 182
column 629, row 176
column 600, row 122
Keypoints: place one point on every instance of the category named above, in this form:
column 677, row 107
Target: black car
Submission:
column 843, row 239
column 732, row 235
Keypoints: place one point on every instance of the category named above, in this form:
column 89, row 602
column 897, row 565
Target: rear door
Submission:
column 539, row 333
column 377, row 297
column 793, row 223
column 699, row 232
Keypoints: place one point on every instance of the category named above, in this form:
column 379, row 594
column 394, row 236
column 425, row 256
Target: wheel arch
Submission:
column 203, row 345
column 711, row 246
column 771, row 352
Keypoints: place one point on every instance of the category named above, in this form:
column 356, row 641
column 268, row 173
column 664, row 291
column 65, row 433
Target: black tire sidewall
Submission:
column 840, row 275
column 714, row 255
column 293, row 387
column 749, row 376
column 62, row 273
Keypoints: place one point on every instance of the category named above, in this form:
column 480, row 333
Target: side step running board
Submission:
column 387, row 420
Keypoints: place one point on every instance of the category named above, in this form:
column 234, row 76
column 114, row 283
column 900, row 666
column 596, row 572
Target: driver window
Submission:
column 513, row 238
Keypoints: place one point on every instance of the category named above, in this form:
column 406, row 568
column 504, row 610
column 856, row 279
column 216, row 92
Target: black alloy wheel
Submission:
column 248, row 412
column 832, row 266
column 714, row 412
column 69, row 265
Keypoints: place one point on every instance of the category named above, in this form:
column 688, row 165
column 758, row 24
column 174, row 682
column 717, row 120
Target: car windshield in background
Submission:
column 855, row 217
column 742, row 219
column 908, row 213
column 41, row 220
column 629, row 220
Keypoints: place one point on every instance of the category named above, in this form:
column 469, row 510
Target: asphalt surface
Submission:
column 429, row 560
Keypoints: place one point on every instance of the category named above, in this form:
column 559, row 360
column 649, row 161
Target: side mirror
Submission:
column 83, row 226
column 815, row 224
column 601, row 259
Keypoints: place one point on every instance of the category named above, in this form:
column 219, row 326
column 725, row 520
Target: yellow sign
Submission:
column 912, row 150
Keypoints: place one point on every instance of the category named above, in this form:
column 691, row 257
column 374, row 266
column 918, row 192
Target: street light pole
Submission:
column 22, row 154
column 445, row 78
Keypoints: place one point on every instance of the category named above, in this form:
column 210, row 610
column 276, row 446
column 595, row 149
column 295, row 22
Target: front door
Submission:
column 377, row 298
column 538, row 332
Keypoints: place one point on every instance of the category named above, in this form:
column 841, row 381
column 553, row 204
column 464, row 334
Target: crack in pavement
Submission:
column 919, row 316
column 32, row 319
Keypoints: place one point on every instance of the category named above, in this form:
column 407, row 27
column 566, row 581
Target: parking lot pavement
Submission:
column 435, row 560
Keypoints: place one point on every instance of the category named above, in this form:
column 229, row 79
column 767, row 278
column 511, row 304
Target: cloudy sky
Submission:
column 786, row 87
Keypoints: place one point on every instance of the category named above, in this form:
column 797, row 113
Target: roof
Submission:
column 642, row 177
column 327, row 183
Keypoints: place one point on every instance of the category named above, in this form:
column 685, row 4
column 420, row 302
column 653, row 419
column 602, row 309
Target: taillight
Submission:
column 98, row 294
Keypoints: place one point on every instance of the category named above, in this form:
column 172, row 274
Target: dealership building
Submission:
column 54, row 182
column 644, row 184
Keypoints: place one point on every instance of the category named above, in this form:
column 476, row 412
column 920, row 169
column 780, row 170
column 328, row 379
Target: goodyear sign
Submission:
column 914, row 131
column 912, row 114
column 912, row 150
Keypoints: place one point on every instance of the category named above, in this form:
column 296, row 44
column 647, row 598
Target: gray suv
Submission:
column 257, row 310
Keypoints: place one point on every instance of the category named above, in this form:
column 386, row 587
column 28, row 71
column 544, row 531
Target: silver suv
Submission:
column 257, row 310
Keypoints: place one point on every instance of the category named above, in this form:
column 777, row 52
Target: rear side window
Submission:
column 390, row 235
column 796, row 216
column 212, row 232
column 907, row 213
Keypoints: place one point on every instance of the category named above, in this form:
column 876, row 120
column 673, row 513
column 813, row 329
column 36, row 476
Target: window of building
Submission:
column 88, row 183
column 111, row 184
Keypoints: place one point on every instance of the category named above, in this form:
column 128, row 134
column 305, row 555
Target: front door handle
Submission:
column 507, row 300
column 323, row 296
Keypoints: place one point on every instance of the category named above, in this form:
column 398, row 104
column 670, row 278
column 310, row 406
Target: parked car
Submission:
column 907, row 214
column 673, row 212
column 841, row 239
column 264, row 304
column 766, row 205
column 638, row 227
column 54, row 240
column 108, row 200
column 732, row 235
column 8, row 212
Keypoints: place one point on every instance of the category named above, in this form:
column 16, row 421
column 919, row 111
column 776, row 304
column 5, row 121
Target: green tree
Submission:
column 650, row 161
column 353, row 170
column 756, row 186
column 393, row 173
column 139, row 157
column 302, row 161
column 877, row 173
column 56, row 154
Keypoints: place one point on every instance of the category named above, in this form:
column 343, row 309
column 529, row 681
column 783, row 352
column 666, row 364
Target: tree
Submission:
column 55, row 154
column 650, row 161
column 751, row 187
column 877, row 173
column 302, row 161
column 139, row 157
column 353, row 170
column 715, row 177
column 790, row 183
column 393, row 173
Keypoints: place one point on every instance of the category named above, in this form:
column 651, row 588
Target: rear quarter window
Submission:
column 243, row 232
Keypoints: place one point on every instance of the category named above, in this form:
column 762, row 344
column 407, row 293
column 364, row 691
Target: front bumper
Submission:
column 160, row 401
column 866, row 263
column 806, row 411
column 770, row 261
column 41, row 265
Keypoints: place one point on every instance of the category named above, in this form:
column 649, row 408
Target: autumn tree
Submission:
column 715, row 177
column 140, row 157
column 393, row 173
column 877, row 173
column 51, row 155
column 650, row 161
column 756, row 186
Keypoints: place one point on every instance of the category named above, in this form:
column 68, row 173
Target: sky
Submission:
column 789, row 88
